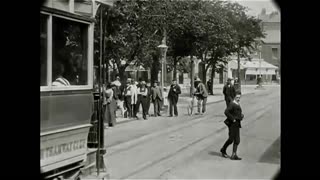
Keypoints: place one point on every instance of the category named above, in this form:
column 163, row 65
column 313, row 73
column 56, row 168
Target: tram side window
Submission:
column 69, row 56
column 43, row 49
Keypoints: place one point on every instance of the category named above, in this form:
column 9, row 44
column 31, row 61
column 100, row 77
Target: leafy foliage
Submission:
column 210, row 30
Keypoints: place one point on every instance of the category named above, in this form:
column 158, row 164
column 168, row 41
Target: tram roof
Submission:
column 85, row 8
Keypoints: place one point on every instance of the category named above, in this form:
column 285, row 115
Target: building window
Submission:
column 43, row 50
column 69, row 53
column 274, row 53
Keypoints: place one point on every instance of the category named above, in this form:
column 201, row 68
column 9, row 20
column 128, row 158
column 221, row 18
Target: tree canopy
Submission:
column 209, row 30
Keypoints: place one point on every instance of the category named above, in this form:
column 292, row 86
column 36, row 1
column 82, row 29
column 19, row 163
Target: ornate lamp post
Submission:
column 163, row 48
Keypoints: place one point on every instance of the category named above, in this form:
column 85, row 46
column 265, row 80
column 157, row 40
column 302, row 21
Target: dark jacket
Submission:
column 229, row 92
column 234, row 112
column 174, row 92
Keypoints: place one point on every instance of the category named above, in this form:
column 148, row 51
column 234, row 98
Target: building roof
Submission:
column 272, row 17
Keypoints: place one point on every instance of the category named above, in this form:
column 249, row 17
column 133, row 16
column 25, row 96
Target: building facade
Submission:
column 271, row 47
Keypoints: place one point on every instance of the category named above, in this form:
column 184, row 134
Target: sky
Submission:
column 255, row 6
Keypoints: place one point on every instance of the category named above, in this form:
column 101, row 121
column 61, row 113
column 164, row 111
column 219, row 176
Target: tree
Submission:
column 246, row 30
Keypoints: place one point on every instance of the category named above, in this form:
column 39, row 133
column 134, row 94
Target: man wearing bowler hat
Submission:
column 173, row 97
column 229, row 92
column 202, row 95
column 156, row 98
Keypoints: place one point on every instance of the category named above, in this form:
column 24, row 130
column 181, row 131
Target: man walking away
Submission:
column 233, row 121
column 229, row 92
column 157, row 98
column 173, row 97
column 202, row 95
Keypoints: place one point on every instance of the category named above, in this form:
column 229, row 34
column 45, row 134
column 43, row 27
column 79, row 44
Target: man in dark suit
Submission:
column 233, row 121
column 156, row 98
column 229, row 92
column 173, row 97
column 202, row 95
column 148, row 97
column 126, row 93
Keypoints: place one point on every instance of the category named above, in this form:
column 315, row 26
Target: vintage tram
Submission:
column 66, row 87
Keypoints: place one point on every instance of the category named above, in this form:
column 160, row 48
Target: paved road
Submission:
column 191, row 149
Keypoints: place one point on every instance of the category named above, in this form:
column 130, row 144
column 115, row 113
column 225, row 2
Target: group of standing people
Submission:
column 129, row 97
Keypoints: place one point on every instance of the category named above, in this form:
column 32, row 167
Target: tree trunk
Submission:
column 121, row 69
column 213, row 69
column 192, row 75
column 204, row 73
column 154, row 69
column 204, row 69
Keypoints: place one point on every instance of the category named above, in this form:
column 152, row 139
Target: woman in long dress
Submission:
column 109, row 101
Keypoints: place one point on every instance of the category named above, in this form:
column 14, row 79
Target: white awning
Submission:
column 262, row 71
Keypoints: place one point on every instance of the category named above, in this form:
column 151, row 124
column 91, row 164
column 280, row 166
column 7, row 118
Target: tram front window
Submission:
column 69, row 60
column 43, row 49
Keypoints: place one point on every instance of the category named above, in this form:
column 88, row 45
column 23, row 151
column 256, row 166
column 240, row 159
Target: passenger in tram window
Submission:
column 58, row 71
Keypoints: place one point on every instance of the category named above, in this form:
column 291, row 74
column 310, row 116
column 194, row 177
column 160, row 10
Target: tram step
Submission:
column 101, row 176
column 91, row 156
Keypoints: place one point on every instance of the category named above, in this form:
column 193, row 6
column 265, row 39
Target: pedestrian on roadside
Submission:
column 134, row 98
column 202, row 95
column 236, row 85
column 229, row 92
column 233, row 121
column 209, row 84
column 127, row 93
column 109, row 103
column 142, row 97
column 138, row 84
column 173, row 97
column 148, row 97
column 118, row 95
column 157, row 98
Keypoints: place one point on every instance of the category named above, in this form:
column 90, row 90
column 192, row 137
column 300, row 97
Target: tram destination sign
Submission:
column 62, row 148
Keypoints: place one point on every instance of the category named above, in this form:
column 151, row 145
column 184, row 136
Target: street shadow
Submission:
column 213, row 153
column 272, row 154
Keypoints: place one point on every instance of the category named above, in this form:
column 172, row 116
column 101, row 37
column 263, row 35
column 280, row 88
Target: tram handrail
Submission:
column 65, row 129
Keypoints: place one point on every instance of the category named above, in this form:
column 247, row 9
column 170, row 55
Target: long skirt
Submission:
column 110, row 113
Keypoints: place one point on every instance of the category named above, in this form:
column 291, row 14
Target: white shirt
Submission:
column 117, row 83
column 60, row 81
